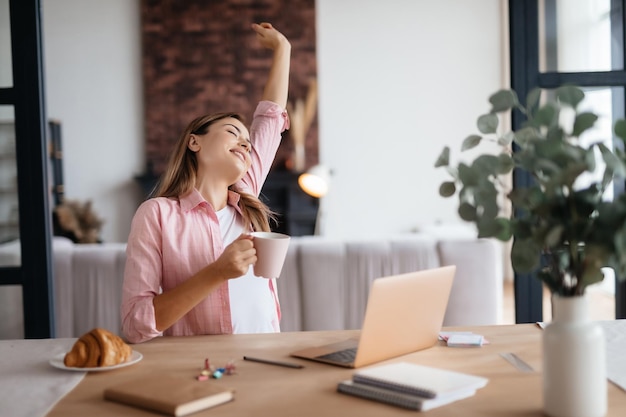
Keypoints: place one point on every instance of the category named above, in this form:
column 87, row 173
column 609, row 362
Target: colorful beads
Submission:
column 208, row 371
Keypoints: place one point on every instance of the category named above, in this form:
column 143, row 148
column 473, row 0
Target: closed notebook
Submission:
column 400, row 399
column 169, row 395
column 424, row 381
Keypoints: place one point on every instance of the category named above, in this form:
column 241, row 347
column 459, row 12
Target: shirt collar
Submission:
column 193, row 199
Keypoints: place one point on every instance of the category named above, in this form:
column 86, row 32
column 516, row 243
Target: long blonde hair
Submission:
column 179, row 177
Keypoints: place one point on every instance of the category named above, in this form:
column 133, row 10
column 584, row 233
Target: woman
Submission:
column 188, row 243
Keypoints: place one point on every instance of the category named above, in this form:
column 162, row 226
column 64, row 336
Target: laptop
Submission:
column 404, row 314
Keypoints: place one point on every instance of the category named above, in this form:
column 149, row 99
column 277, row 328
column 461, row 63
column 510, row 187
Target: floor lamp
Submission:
column 315, row 182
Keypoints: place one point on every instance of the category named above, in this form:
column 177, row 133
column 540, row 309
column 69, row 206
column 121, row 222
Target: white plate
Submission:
column 57, row 362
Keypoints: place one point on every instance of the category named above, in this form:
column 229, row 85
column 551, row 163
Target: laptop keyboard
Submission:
column 341, row 356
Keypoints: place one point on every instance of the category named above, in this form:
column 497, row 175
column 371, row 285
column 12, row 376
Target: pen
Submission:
column 271, row 362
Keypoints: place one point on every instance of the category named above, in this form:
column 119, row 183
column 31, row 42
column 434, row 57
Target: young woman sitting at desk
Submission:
column 189, row 255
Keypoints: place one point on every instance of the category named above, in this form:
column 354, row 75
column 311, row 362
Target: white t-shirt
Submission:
column 252, row 304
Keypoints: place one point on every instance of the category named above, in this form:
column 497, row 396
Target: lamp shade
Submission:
column 315, row 181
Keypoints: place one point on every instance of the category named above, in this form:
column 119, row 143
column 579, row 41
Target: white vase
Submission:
column 574, row 364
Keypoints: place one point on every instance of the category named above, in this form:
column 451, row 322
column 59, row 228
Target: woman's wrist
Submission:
column 214, row 273
column 283, row 43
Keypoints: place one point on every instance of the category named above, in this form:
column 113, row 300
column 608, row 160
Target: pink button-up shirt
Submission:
column 172, row 239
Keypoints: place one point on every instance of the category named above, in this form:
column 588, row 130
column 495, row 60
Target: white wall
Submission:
column 398, row 80
column 94, row 87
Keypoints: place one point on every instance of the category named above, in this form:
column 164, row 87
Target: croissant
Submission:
column 99, row 347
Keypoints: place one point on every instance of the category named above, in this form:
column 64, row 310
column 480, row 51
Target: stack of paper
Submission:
column 411, row 386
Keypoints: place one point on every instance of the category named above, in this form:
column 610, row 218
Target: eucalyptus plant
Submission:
column 562, row 231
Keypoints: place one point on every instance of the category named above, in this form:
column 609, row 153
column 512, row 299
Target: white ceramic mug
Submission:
column 271, row 250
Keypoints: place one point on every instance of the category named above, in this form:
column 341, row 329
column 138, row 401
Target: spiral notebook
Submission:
column 423, row 381
column 411, row 386
column 404, row 314
column 400, row 399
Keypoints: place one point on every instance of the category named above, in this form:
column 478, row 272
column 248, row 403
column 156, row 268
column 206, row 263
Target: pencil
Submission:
column 271, row 362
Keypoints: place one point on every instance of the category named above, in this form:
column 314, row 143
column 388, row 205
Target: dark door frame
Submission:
column 27, row 98
column 525, row 75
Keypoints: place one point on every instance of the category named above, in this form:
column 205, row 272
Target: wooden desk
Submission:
column 266, row 390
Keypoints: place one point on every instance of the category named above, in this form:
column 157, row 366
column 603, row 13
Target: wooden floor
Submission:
column 602, row 305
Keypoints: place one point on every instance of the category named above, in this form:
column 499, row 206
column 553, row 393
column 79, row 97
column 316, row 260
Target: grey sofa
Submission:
column 323, row 285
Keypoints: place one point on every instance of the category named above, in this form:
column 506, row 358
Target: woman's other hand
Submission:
column 268, row 36
column 277, row 85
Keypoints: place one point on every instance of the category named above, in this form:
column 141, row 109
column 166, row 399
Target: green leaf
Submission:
column 468, row 176
column 506, row 139
column 503, row 100
column 467, row 212
column 485, row 165
column 546, row 116
column 570, row 95
column 591, row 275
column 612, row 161
column 447, row 189
column 444, row 158
column 583, row 122
column 528, row 161
column 532, row 99
column 526, row 198
column 471, row 142
column 521, row 228
column 554, row 235
column 506, row 231
column 620, row 129
column 525, row 136
column 453, row 172
column 487, row 123
column 486, row 200
column 525, row 255
column 555, row 133
column 596, row 257
column 488, row 204
column 505, row 164
column 498, row 228
column 551, row 149
column 607, row 177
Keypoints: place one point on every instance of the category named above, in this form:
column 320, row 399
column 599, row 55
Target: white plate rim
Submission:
column 57, row 362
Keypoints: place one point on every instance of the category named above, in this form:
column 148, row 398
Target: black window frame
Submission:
column 525, row 75
column 26, row 95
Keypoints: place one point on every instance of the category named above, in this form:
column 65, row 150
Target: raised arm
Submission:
column 277, row 83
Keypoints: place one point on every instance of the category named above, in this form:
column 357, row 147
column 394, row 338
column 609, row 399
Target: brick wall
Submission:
column 200, row 56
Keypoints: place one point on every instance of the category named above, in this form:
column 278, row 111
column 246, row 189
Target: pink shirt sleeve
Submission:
column 269, row 121
column 142, row 275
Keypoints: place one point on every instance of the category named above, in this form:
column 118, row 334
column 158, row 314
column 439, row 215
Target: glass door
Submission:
column 577, row 42
column 26, row 304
